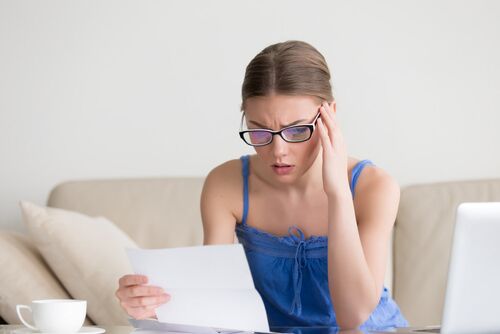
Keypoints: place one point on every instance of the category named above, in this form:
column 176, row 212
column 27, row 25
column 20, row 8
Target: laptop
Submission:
column 472, row 299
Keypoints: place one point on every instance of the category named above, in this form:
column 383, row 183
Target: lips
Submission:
column 282, row 169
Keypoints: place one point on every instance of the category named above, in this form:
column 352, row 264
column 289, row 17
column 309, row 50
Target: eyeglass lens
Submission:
column 293, row 134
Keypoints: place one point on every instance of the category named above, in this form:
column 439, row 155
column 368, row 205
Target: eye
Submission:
column 258, row 137
column 297, row 133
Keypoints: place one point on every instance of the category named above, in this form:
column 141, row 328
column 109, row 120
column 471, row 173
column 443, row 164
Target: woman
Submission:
column 314, row 228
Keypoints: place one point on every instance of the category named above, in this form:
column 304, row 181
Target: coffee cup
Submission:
column 55, row 315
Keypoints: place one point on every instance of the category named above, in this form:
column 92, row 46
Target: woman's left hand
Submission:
column 335, row 176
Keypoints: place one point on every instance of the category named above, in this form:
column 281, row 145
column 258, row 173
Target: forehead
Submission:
column 281, row 108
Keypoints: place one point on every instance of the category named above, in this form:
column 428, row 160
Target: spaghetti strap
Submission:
column 245, row 171
column 356, row 171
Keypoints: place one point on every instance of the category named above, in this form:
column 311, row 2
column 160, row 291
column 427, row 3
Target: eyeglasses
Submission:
column 291, row 134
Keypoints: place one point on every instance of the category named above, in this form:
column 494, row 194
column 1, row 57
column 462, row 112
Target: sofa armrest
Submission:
column 422, row 243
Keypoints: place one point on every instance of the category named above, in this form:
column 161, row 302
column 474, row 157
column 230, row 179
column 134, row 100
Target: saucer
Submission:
column 83, row 330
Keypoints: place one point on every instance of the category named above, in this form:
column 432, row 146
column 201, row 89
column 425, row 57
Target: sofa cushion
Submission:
column 87, row 254
column 25, row 276
column 422, row 243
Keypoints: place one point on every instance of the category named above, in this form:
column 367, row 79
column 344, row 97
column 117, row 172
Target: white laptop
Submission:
column 472, row 301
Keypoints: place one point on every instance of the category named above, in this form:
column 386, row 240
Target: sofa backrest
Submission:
column 422, row 243
column 155, row 213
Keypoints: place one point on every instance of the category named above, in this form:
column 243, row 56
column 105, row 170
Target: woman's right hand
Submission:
column 138, row 299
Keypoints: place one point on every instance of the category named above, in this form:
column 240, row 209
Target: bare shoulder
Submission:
column 376, row 190
column 224, row 179
column 220, row 202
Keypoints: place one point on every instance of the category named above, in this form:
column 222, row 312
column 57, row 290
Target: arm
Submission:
column 357, row 238
column 216, row 199
column 357, row 245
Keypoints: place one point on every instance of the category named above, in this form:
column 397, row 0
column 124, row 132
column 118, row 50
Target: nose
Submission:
column 279, row 146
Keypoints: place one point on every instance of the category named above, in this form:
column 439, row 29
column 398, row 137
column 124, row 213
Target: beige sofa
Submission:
column 164, row 212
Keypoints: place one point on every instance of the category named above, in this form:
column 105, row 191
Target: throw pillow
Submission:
column 86, row 253
column 25, row 276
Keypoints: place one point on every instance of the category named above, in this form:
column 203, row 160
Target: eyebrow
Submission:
column 282, row 126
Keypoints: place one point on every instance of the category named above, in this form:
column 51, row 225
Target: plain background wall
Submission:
column 113, row 89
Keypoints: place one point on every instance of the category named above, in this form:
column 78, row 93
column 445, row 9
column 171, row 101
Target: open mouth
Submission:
column 282, row 169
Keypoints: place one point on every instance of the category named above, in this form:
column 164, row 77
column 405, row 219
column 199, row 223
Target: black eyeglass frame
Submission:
column 311, row 127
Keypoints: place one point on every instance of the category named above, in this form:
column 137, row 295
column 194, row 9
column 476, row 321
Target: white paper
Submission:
column 210, row 286
column 150, row 326
column 153, row 326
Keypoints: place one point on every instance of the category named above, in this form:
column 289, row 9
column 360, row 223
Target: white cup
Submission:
column 55, row 315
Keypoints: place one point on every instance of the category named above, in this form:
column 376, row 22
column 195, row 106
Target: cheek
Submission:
column 307, row 151
column 262, row 151
column 312, row 148
column 313, row 143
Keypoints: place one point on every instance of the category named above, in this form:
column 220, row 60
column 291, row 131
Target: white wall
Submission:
column 108, row 89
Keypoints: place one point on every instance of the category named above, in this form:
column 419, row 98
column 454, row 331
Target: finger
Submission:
column 327, row 116
column 142, row 291
column 330, row 107
column 328, row 124
column 147, row 301
column 128, row 280
column 323, row 134
column 327, row 112
column 153, row 307
column 331, row 114
column 141, row 312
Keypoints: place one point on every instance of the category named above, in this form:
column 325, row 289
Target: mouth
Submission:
column 281, row 165
column 282, row 169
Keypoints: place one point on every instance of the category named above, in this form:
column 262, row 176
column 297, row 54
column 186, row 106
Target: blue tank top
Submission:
column 291, row 273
